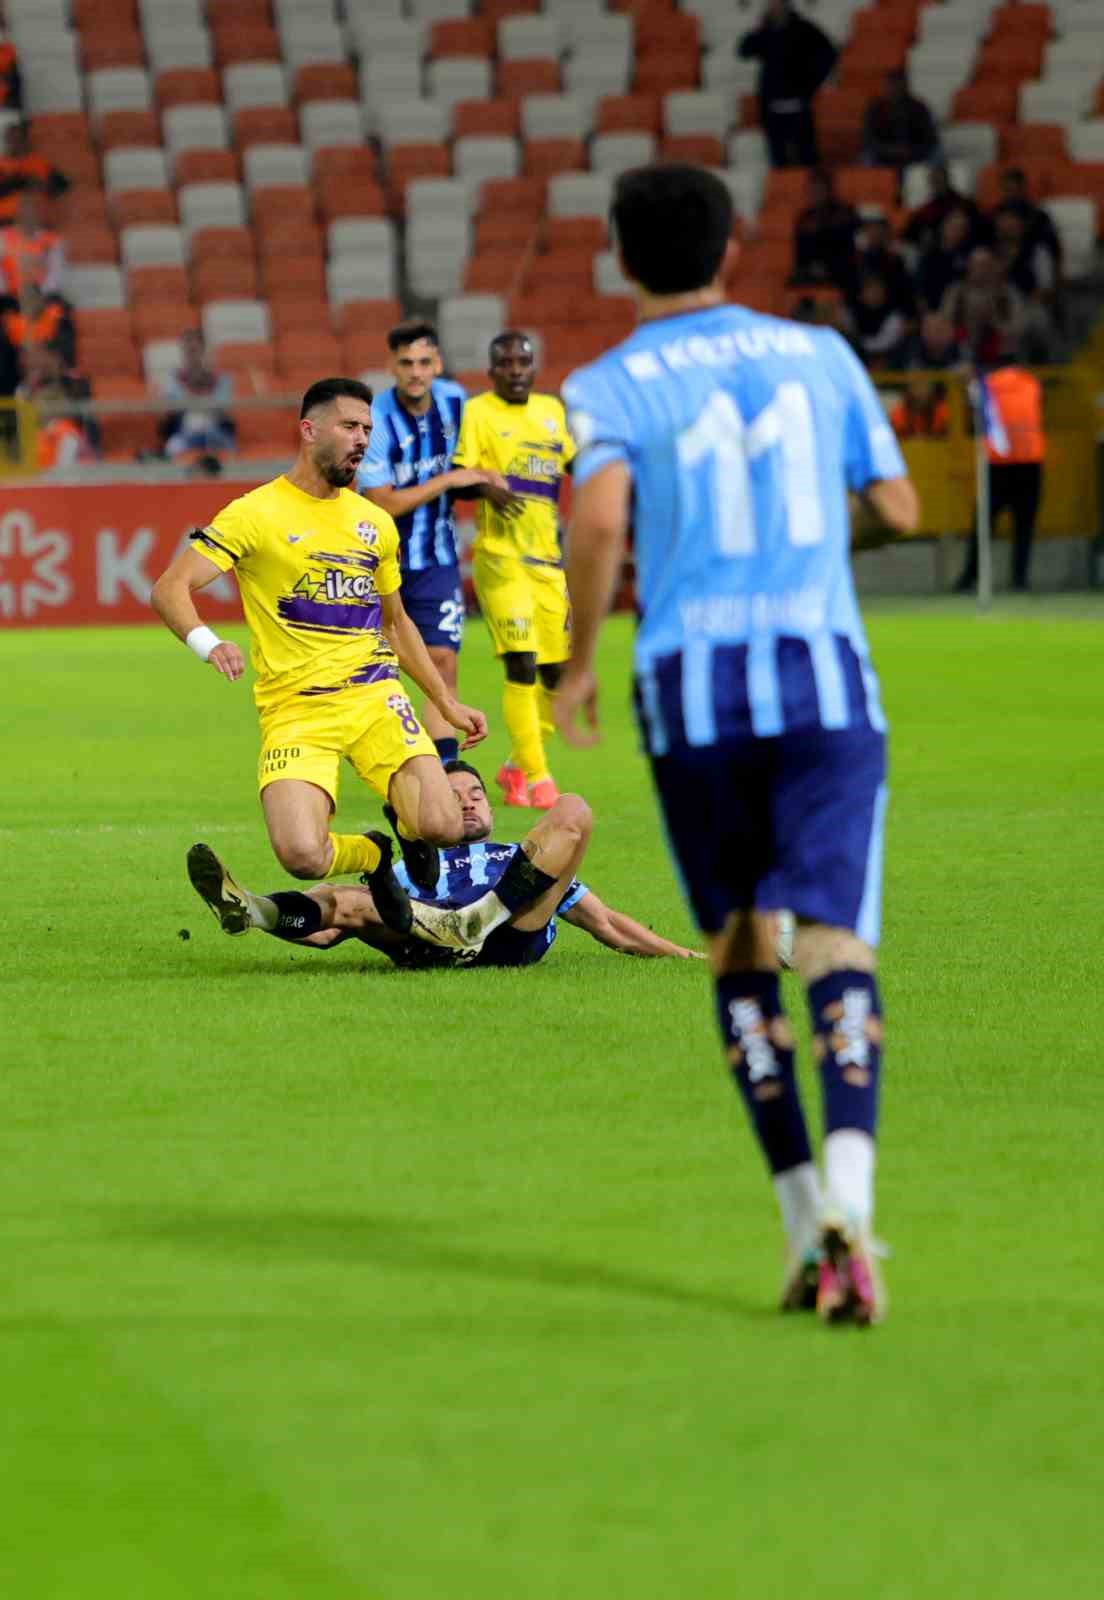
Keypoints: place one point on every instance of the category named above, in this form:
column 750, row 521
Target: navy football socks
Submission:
column 760, row 1048
column 448, row 750
column 847, row 1025
column 297, row 914
column 521, row 883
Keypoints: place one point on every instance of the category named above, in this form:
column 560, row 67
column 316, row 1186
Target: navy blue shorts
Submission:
column 795, row 822
column 434, row 601
column 510, row 947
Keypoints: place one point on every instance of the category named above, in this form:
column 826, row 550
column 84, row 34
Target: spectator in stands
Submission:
column 11, row 79
column 876, row 253
column 63, row 438
column 198, row 423
column 922, row 225
column 922, row 411
column 1028, row 267
column 35, row 320
column 899, row 129
column 878, row 329
column 20, row 168
column 935, row 343
column 30, row 252
column 10, row 374
column 824, row 236
column 944, row 262
column 1039, row 230
column 795, row 57
column 987, row 313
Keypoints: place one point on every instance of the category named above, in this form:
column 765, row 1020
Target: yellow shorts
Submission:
column 373, row 725
column 525, row 607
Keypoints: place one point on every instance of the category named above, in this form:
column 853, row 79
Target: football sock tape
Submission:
column 847, row 1028
column 297, row 914
column 760, row 1047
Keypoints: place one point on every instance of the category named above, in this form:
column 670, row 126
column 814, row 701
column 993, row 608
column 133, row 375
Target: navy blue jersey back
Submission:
column 743, row 435
column 469, row 870
column 406, row 450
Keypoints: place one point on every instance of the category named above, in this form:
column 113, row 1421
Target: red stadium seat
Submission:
column 109, row 358
column 92, row 246
column 462, row 36
column 629, row 113
column 291, row 238
column 130, row 207
column 544, row 158
column 222, row 244
column 660, row 74
column 696, row 149
column 296, row 313
column 207, row 166
column 517, row 197
column 109, row 46
column 280, row 204
column 569, row 272
column 86, row 205
column 265, row 125
column 518, row 78
column 375, row 317
column 223, row 278
column 574, row 233
column 494, row 117
column 187, row 86
column 117, row 128
column 325, row 81
column 344, row 161
column 240, row 42
column 986, row 102
column 1036, row 140
column 346, row 196
column 861, row 186
column 503, row 233
column 287, row 277
column 265, row 431
column 497, row 272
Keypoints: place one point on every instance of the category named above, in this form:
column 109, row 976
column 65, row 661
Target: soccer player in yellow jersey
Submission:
column 318, row 570
column 518, row 563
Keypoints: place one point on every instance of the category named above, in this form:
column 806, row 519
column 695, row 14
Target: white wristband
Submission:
column 202, row 640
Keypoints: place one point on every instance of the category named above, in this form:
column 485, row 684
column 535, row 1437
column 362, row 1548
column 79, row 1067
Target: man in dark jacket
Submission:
column 794, row 57
column 899, row 129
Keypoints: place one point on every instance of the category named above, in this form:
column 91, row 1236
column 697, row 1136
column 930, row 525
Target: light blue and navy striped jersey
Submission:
column 406, row 450
column 469, row 870
column 743, row 434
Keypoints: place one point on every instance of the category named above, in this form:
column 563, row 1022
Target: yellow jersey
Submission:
column 531, row 447
column 311, row 574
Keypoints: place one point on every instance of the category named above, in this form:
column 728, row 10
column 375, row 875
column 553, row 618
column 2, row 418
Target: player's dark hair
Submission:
column 466, row 766
column 327, row 390
column 409, row 332
column 507, row 337
column 672, row 225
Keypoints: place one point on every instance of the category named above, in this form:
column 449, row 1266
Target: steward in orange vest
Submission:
column 1015, row 474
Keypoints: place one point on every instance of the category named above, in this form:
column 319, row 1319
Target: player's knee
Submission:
column 521, row 666
column 573, row 815
column 819, row 949
column 440, row 822
column 304, row 858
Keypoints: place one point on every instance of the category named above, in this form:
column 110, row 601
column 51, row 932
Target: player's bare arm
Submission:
column 171, row 598
column 896, row 502
column 399, row 502
column 622, row 933
column 415, row 661
column 595, row 551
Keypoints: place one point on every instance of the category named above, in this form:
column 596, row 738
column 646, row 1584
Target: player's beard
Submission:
column 475, row 831
column 339, row 474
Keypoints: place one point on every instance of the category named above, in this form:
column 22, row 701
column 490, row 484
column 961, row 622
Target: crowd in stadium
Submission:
column 127, row 234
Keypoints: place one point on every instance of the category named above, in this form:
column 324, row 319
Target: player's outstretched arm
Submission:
column 895, row 500
column 171, row 598
column 399, row 502
column 595, row 551
column 414, row 659
column 621, row 933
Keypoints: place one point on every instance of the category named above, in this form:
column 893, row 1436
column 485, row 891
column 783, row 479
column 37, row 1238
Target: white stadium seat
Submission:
column 135, row 167
column 152, row 245
column 211, row 205
column 235, row 322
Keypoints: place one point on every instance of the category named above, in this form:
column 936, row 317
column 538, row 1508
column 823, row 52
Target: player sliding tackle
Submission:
column 510, row 924
column 319, row 575
column 732, row 440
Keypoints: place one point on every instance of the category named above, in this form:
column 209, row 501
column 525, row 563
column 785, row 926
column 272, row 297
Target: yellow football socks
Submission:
column 352, row 852
column 521, row 714
column 546, row 698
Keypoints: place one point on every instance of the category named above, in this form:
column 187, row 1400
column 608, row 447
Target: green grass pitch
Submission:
column 325, row 1282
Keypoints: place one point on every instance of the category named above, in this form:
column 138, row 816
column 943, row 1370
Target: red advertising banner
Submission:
column 90, row 554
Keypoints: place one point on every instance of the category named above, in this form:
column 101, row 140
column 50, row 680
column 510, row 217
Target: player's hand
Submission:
column 689, row 955
column 465, row 719
column 577, row 697
column 227, row 659
column 501, row 496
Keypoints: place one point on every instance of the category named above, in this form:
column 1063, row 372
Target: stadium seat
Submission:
column 617, row 152
column 689, row 111
column 360, row 279
column 453, row 80
column 220, row 242
column 266, row 125
column 207, row 166
column 1086, row 140
column 461, row 36
column 1038, row 139
column 135, row 169
column 130, row 207
column 412, row 122
column 567, row 272
column 250, row 359
column 407, row 162
column 119, row 129
column 629, row 113
column 227, row 321
column 574, row 233
column 282, row 206
column 493, row 272
column 99, row 287
column 293, row 278
column 224, row 279
column 265, row 165
column 319, row 82
column 211, row 205
column 265, row 431
column 331, row 122
column 119, row 89
column 503, row 233
column 517, row 78
column 554, row 116
column 485, row 118
column 1074, row 219
column 198, row 127
column 255, row 84
column 515, row 197
column 479, row 157
column 298, row 351
column 529, row 38
column 372, row 318
column 151, row 286
column 348, row 195
column 545, row 157
column 152, row 246
column 579, row 194
column 343, row 161
column 92, row 245
column 696, row 149
column 297, row 311
column 182, row 86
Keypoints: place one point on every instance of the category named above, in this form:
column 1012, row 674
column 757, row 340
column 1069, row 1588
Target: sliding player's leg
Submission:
column 556, row 847
column 716, row 803
column 319, row 915
column 830, row 814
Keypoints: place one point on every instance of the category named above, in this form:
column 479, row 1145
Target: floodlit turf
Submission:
column 324, row 1282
